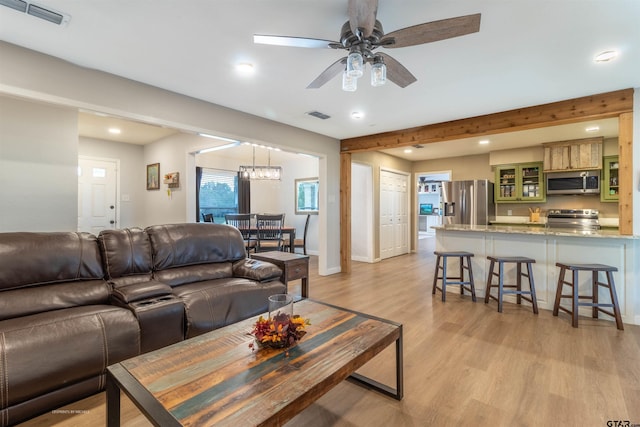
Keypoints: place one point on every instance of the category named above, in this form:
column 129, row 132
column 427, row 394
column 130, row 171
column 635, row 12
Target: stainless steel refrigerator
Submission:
column 468, row 202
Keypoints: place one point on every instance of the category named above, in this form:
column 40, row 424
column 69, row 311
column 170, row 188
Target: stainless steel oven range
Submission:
column 575, row 219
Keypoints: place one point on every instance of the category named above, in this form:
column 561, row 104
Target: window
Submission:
column 218, row 193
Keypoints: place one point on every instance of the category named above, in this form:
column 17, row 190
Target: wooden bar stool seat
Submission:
column 511, row 289
column 596, row 305
column 441, row 265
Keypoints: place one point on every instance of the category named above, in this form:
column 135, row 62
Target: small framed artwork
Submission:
column 153, row 176
column 307, row 196
column 172, row 179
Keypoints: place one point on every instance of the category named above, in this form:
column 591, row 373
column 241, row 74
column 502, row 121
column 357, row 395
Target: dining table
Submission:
column 286, row 230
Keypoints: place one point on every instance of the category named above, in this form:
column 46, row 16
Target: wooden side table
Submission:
column 294, row 266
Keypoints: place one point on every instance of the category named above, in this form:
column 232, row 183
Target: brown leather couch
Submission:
column 58, row 329
column 72, row 303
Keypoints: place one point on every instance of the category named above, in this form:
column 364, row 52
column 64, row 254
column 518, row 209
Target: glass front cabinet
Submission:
column 520, row 183
column 610, row 180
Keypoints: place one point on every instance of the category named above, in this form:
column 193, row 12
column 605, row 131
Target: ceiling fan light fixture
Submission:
column 378, row 72
column 355, row 64
column 349, row 83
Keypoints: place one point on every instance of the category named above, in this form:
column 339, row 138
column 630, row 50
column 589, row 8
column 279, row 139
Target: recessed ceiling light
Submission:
column 115, row 131
column 606, row 56
column 483, row 142
column 408, row 150
column 357, row 115
column 592, row 128
column 244, row 68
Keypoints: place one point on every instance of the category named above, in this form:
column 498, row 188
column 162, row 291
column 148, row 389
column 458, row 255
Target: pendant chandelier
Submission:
column 253, row 172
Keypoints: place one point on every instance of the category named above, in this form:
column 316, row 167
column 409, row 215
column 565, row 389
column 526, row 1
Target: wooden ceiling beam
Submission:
column 604, row 105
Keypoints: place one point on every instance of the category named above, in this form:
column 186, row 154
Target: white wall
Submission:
column 38, row 166
column 132, row 176
column 44, row 78
column 362, row 212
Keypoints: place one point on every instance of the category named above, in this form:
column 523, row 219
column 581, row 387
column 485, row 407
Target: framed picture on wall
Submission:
column 153, row 176
column 307, row 196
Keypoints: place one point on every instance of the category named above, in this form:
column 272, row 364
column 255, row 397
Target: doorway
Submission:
column 394, row 214
column 429, row 201
column 97, row 194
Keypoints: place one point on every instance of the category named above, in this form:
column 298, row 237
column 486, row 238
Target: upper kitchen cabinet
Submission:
column 519, row 183
column 579, row 154
column 610, row 180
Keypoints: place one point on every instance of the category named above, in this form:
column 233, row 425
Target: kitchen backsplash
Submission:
column 607, row 210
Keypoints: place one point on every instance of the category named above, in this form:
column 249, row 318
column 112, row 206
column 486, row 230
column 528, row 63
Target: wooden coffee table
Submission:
column 216, row 379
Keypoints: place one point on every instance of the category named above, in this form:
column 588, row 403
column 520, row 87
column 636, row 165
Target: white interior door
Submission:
column 394, row 221
column 97, row 194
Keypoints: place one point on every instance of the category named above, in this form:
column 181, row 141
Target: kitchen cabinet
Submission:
column 519, row 183
column 579, row 154
column 610, row 180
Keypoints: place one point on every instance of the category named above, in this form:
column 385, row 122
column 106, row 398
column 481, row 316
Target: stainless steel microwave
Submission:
column 574, row 182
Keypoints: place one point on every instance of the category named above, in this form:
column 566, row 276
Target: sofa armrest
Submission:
column 140, row 291
column 254, row 269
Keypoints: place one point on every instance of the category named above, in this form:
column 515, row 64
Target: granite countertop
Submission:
column 603, row 233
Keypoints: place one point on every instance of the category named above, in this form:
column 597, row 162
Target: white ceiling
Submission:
column 527, row 52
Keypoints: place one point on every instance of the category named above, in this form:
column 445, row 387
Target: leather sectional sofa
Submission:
column 73, row 303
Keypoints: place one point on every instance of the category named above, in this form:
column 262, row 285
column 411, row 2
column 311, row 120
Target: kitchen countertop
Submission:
column 603, row 233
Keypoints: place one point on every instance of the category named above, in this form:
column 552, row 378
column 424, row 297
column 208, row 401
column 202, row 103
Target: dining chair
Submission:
column 269, row 232
column 301, row 243
column 243, row 223
column 207, row 217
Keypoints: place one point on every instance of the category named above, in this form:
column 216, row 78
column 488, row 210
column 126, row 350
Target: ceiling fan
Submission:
column 363, row 34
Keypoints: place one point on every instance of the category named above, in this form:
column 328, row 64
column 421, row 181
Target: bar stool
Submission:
column 468, row 285
column 518, row 260
column 575, row 297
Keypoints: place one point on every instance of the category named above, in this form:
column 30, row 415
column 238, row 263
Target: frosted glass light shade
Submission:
column 355, row 64
column 349, row 84
column 378, row 74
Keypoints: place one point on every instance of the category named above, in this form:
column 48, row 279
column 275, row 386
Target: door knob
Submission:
column 112, row 222
column 112, row 207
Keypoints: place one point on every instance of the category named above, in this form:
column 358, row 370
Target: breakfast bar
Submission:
column 548, row 246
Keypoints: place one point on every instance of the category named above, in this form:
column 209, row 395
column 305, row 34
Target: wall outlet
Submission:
column 509, row 212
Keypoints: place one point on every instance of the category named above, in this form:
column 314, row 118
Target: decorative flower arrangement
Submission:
column 280, row 331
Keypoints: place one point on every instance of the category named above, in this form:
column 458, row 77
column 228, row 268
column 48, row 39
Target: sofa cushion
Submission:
column 178, row 245
column 26, row 301
column 28, row 259
column 48, row 351
column 215, row 303
column 127, row 255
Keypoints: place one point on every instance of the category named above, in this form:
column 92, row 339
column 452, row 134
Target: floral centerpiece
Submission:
column 279, row 331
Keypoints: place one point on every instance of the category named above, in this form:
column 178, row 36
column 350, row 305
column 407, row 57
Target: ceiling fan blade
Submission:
column 331, row 71
column 396, row 72
column 362, row 15
column 432, row 31
column 294, row 41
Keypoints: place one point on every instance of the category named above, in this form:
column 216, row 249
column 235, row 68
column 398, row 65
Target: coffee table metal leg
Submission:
column 396, row 393
column 113, row 402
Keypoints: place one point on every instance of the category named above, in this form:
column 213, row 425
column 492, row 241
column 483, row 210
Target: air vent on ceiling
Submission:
column 37, row 11
column 418, row 146
column 319, row 115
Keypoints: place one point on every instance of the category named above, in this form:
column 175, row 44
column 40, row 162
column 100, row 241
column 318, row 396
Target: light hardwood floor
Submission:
column 464, row 363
